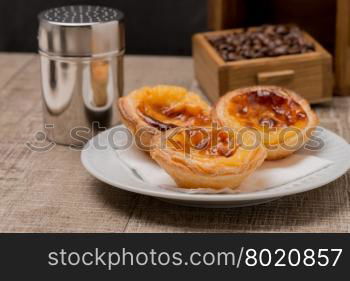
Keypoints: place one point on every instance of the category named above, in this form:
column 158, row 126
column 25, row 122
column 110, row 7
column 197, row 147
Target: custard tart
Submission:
column 283, row 119
column 207, row 157
column 150, row 110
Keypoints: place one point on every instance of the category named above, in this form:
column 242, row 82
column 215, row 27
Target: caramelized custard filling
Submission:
column 156, row 123
column 266, row 109
column 164, row 117
column 165, row 107
column 205, row 143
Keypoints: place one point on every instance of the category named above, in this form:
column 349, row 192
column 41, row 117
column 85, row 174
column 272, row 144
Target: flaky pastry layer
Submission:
column 150, row 110
column 215, row 164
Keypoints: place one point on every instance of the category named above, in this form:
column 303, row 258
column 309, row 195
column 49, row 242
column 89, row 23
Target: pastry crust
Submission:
column 284, row 120
column 218, row 165
column 151, row 110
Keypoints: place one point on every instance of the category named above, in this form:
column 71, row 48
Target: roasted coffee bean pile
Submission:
column 264, row 41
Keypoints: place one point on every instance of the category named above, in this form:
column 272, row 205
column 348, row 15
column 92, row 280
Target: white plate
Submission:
column 100, row 159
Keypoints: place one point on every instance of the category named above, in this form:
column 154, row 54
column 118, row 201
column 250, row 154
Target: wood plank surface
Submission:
column 11, row 64
column 51, row 192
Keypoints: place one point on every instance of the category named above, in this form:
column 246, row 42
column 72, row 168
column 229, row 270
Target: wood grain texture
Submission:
column 11, row 64
column 226, row 13
column 273, row 77
column 51, row 192
column 342, row 48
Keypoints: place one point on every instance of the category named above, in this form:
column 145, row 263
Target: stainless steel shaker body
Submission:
column 81, row 56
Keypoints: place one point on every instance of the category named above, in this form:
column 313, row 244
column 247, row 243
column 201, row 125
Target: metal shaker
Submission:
column 81, row 56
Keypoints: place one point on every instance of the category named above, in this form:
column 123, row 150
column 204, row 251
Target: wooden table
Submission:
column 52, row 192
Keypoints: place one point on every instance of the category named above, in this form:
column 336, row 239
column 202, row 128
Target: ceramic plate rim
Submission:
column 252, row 196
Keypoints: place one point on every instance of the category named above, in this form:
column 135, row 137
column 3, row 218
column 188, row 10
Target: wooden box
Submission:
column 308, row 74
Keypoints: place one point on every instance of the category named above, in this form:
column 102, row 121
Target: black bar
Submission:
column 29, row 254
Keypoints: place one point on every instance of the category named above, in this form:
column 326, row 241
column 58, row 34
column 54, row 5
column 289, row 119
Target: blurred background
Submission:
column 166, row 26
column 153, row 26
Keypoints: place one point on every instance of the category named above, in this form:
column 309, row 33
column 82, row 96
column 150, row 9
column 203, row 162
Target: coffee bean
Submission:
column 269, row 29
column 281, row 29
column 293, row 50
column 281, row 50
column 232, row 57
column 264, row 41
column 278, row 42
column 257, row 47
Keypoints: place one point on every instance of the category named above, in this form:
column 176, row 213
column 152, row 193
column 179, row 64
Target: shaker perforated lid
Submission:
column 82, row 30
